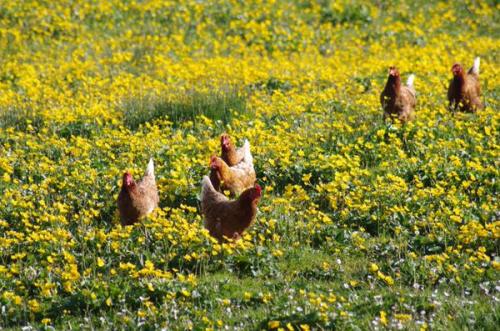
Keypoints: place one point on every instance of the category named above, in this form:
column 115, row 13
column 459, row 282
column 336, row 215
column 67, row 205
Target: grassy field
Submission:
column 362, row 225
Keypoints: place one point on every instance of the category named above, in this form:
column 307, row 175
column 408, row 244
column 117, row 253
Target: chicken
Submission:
column 464, row 92
column 237, row 178
column 228, row 218
column 137, row 199
column 397, row 100
column 229, row 153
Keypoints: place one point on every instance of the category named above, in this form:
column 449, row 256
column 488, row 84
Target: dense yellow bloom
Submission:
column 351, row 205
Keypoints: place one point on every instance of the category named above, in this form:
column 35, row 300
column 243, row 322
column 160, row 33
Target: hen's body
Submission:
column 137, row 199
column 226, row 218
column 398, row 101
column 234, row 179
column 464, row 91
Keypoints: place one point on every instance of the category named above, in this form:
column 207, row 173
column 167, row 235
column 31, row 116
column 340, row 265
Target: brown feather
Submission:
column 464, row 91
column 234, row 179
column 228, row 218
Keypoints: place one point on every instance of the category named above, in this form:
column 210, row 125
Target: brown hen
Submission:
column 226, row 218
column 137, row 199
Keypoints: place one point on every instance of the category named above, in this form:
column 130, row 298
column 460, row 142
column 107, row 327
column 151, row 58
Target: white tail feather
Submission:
column 206, row 185
column 410, row 80
column 475, row 66
column 247, row 156
column 150, row 170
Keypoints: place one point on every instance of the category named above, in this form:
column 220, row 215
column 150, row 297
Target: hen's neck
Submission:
column 249, row 208
column 214, row 178
column 228, row 154
column 131, row 189
column 224, row 171
column 459, row 80
column 394, row 85
column 246, row 201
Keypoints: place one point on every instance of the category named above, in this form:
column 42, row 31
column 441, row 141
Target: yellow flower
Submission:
column 273, row 324
column 306, row 178
column 403, row 317
column 383, row 318
column 34, row 305
column 389, row 281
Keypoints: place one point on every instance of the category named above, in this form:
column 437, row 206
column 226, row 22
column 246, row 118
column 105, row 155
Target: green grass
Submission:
column 19, row 118
column 216, row 105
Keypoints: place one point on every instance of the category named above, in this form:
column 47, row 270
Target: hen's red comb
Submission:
column 258, row 189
